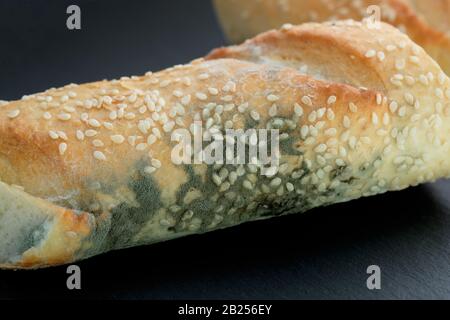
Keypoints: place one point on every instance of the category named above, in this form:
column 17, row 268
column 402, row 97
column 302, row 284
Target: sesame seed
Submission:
column 227, row 98
column 151, row 139
column 187, row 81
column 117, row 138
column 149, row 169
column 386, row 118
column 64, row 116
column 165, row 83
column 307, row 100
column 393, row 106
column 243, row 107
column 304, row 131
column 353, row 108
column 255, row 115
column 13, row 113
column 374, row 118
column 342, row 151
column 423, row 79
column 400, row 64
column 273, row 110
column 47, row 115
column 379, row 99
column 409, row 98
column 94, row 123
column 331, row 99
column 298, row 110
column 289, row 187
column 62, row 148
column 156, row 132
column 391, row 47
column 97, row 143
column 213, row 91
column 53, row 135
column 410, row 80
column 80, row 135
column 331, row 132
column 230, row 86
column 276, row 182
column 370, row 53
column 330, row 114
column 168, row 126
column 132, row 98
column 402, row 111
column 156, row 163
column 141, row 146
column 272, row 98
column 201, row 96
column 321, row 148
column 108, row 125
column 441, row 78
column 69, row 109
column 203, row 76
column 177, row 93
column 346, row 122
column 90, row 133
column 62, row 135
column 84, row 116
column 107, row 100
column 312, row 116
column 321, row 112
column 247, row 185
column 414, row 59
column 186, row 99
column 88, row 104
column 130, row 115
column 113, row 115
column 352, row 142
column 99, row 155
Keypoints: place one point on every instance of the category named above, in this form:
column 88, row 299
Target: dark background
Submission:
column 322, row 254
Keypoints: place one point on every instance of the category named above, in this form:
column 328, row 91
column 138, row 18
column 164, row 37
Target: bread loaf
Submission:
column 89, row 168
column 427, row 22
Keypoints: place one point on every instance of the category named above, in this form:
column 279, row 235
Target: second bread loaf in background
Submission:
column 427, row 22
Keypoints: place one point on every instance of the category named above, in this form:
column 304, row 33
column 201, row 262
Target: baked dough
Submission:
column 427, row 22
column 87, row 168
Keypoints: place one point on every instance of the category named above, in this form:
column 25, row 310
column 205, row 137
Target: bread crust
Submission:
column 426, row 22
column 356, row 120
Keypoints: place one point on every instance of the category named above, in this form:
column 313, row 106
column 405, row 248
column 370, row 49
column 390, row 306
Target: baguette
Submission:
column 88, row 168
column 427, row 22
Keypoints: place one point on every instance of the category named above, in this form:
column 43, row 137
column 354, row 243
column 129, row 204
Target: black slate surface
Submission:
column 321, row 254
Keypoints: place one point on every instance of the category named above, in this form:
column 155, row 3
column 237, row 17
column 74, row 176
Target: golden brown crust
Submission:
column 361, row 111
column 426, row 22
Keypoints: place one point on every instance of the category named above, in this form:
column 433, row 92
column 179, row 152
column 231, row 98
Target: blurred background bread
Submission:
column 427, row 22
